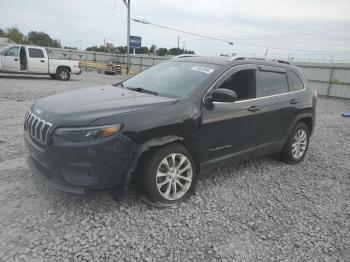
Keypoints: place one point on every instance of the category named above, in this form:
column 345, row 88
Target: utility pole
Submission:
column 178, row 42
column 128, row 40
column 266, row 52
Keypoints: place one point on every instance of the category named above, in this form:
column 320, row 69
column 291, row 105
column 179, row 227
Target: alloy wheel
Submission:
column 299, row 144
column 174, row 176
column 64, row 74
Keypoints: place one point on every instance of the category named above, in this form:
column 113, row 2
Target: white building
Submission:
column 5, row 42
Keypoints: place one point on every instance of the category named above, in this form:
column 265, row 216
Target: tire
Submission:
column 164, row 185
column 297, row 144
column 63, row 74
column 53, row 76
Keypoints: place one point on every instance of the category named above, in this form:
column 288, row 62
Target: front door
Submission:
column 10, row 59
column 229, row 129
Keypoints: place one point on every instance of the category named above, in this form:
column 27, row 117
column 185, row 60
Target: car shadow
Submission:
column 20, row 77
column 25, row 77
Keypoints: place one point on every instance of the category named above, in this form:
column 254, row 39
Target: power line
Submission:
column 181, row 31
column 118, row 27
column 294, row 34
column 231, row 43
column 262, row 36
column 292, row 49
column 212, row 10
column 198, row 18
column 108, row 17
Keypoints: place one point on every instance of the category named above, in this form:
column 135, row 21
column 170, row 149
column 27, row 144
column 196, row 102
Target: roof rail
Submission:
column 281, row 61
column 185, row 55
column 260, row 58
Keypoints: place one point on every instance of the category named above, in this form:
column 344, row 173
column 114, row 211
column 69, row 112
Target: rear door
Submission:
column 278, row 109
column 37, row 60
column 10, row 59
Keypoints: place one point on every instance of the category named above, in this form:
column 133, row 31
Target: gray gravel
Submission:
column 256, row 210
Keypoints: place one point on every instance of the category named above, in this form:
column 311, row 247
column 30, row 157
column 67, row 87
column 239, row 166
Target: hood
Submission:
column 82, row 106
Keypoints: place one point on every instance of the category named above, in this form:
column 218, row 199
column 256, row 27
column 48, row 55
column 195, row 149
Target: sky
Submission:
column 303, row 29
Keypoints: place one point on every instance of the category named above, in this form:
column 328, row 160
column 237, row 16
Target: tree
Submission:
column 14, row 34
column 142, row 50
column 94, row 48
column 70, row 47
column 179, row 51
column 121, row 49
column 42, row 39
column 2, row 33
column 162, row 51
column 189, row 52
column 175, row 51
column 152, row 50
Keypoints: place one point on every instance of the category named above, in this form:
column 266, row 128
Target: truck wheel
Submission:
column 166, row 177
column 63, row 74
column 297, row 144
column 53, row 76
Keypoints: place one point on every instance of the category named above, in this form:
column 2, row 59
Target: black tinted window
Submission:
column 272, row 83
column 243, row 83
column 36, row 53
column 294, row 81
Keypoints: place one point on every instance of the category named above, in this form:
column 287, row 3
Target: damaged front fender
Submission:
column 142, row 149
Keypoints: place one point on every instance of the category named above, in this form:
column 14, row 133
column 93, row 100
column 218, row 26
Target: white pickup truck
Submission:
column 26, row 59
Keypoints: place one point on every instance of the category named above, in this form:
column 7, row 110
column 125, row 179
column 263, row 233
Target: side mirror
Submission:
column 223, row 95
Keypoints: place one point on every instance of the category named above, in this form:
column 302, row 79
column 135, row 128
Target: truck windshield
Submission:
column 3, row 50
column 173, row 79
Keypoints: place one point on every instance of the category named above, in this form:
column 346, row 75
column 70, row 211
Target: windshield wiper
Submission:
column 119, row 84
column 142, row 90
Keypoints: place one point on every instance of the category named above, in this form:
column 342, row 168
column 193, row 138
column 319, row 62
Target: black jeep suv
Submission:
column 165, row 125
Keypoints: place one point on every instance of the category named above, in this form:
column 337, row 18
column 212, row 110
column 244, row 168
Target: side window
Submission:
column 295, row 81
column 36, row 53
column 12, row 51
column 271, row 83
column 243, row 83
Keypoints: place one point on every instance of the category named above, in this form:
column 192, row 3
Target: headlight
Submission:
column 83, row 134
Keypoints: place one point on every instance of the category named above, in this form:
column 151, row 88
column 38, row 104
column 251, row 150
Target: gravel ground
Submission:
column 256, row 210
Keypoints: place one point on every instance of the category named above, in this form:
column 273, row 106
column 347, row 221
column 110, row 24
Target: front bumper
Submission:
column 81, row 169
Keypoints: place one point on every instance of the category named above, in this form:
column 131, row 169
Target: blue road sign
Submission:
column 135, row 41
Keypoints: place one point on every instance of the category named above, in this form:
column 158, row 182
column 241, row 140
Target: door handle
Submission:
column 293, row 101
column 16, row 59
column 42, row 61
column 253, row 108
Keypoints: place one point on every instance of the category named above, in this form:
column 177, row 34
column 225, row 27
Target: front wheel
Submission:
column 297, row 144
column 63, row 74
column 166, row 177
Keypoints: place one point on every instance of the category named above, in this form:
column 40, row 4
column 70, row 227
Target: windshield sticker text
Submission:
column 202, row 69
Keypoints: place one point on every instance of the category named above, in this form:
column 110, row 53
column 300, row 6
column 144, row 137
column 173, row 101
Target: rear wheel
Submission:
column 297, row 144
column 166, row 177
column 63, row 73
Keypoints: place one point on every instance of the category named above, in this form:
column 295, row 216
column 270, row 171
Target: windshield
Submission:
column 173, row 79
column 3, row 50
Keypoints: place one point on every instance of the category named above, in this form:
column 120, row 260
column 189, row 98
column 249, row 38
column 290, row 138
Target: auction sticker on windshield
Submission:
column 202, row 69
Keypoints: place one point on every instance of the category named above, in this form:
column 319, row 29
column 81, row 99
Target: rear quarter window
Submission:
column 295, row 81
column 35, row 53
column 271, row 83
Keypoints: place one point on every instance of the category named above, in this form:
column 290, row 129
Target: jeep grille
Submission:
column 36, row 128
